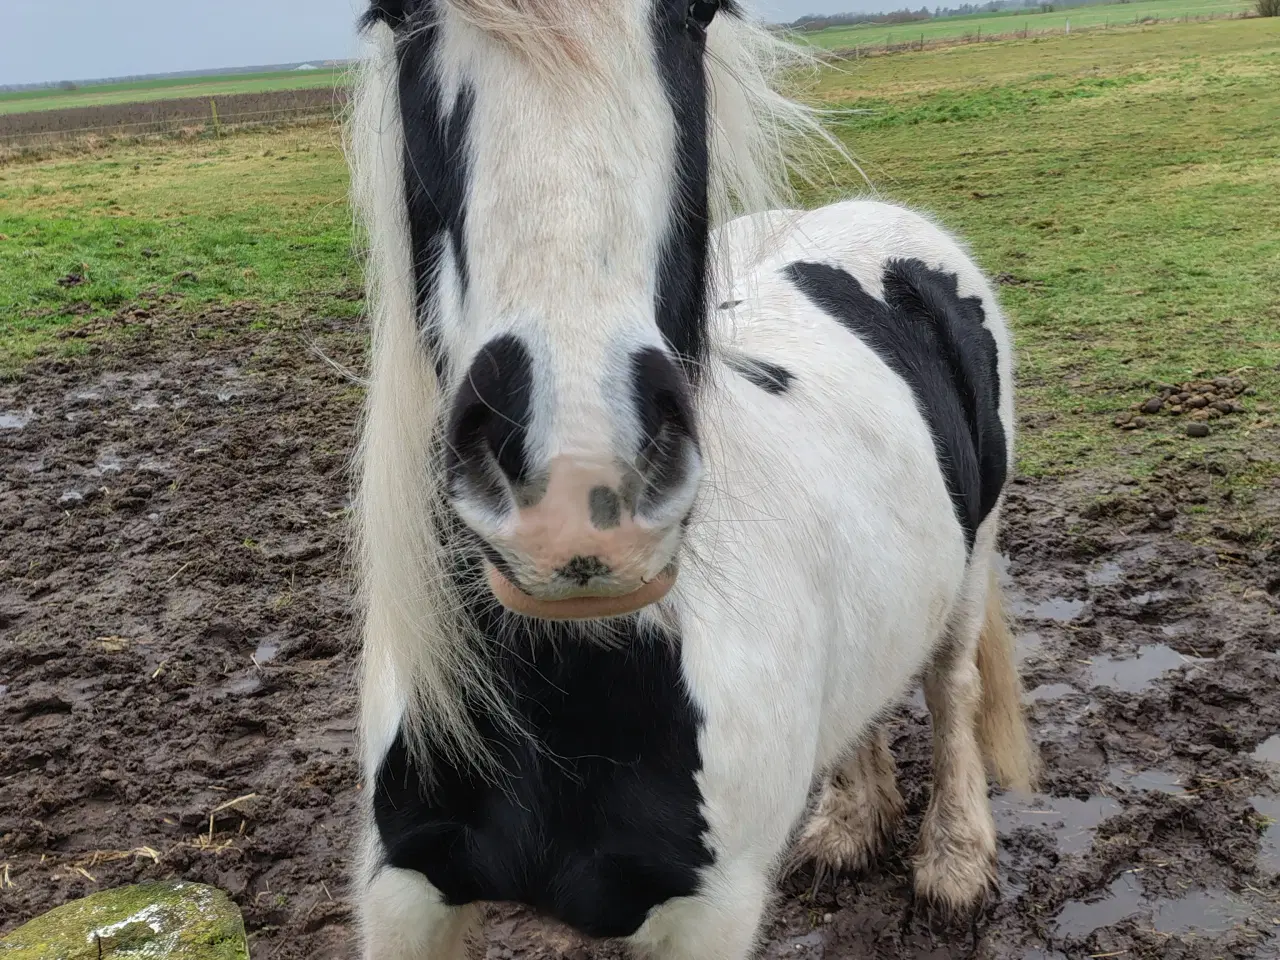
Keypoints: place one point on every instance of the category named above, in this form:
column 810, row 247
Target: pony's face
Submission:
column 556, row 164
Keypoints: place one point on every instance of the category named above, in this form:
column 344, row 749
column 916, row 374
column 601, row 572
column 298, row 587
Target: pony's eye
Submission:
column 702, row 12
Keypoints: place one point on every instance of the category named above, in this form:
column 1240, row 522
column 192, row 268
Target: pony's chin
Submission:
column 578, row 608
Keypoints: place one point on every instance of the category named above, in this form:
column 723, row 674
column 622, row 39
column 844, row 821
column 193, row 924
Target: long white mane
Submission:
column 414, row 639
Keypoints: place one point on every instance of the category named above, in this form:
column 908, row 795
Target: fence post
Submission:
column 213, row 110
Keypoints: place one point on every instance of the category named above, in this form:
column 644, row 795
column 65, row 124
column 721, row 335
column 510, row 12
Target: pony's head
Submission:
column 556, row 165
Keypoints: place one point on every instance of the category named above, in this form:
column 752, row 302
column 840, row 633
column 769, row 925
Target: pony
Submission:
column 668, row 492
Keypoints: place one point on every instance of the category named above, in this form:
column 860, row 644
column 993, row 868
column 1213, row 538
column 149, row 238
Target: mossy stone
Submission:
column 151, row 921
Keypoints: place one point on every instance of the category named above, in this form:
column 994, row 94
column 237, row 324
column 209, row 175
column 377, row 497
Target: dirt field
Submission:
column 176, row 676
column 167, row 116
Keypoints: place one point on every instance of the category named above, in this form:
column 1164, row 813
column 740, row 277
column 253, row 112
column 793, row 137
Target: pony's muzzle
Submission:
column 581, row 536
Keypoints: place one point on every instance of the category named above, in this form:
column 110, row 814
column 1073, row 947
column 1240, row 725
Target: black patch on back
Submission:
column 489, row 422
column 436, row 170
column 769, row 377
column 596, row 828
column 681, row 301
column 935, row 340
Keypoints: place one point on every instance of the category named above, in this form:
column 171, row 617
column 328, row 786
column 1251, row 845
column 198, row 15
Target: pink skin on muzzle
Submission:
column 585, row 519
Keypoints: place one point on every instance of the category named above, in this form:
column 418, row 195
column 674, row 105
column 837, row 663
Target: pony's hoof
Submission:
column 842, row 842
column 957, row 888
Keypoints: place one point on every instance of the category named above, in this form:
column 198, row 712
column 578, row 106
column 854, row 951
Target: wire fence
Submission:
column 922, row 41
column 188, row 117
column 171, row 127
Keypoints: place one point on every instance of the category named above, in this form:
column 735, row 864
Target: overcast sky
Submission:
column 44, row 40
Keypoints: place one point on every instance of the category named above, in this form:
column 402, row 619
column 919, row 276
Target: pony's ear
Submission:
column 390, row 12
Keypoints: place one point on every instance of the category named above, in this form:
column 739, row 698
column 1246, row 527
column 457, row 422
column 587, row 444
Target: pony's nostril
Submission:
column 668, row 435
column 605, row 507
column 490, row 420
column 582, row 570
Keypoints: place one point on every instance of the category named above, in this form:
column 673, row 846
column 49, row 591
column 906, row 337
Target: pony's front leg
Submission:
column 403, row 918
column 721, row 922
column 858, row 808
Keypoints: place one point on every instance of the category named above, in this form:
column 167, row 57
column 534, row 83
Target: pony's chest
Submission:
column 598, row 819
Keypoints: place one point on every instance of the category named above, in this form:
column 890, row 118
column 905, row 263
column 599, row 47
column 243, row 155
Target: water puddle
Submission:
column 14, row 419
column 1160, row 781
column 1268, row 751
column 1207, row 911
column 1104, row 574
column 1071, row 821
column 1135, row 674
column 1049, row 691
column 1269, row 842
column 1028, row 645
column 267, row 651
column 1058, row 609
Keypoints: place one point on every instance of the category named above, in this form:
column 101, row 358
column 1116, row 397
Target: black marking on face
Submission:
column 582, row 570
column 489, row 424
column 730, row 304
column 682, row 282
column 599, row 837
column 606, row 508
column 436, row 170
column 936, row 341
column 661, row 396
column 769, row 377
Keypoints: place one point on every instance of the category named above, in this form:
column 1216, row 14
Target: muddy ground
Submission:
column 176, row 676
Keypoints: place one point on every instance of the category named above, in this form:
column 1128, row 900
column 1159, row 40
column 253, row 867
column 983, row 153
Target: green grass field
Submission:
column 989, row 24
column 1126, row 183
column 146, row 90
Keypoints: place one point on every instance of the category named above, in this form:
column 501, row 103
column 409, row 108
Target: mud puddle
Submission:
column 1135, row 674
column 1203, row 911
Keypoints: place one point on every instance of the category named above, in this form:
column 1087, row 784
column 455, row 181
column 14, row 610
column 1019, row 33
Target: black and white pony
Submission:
column 658, row 518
